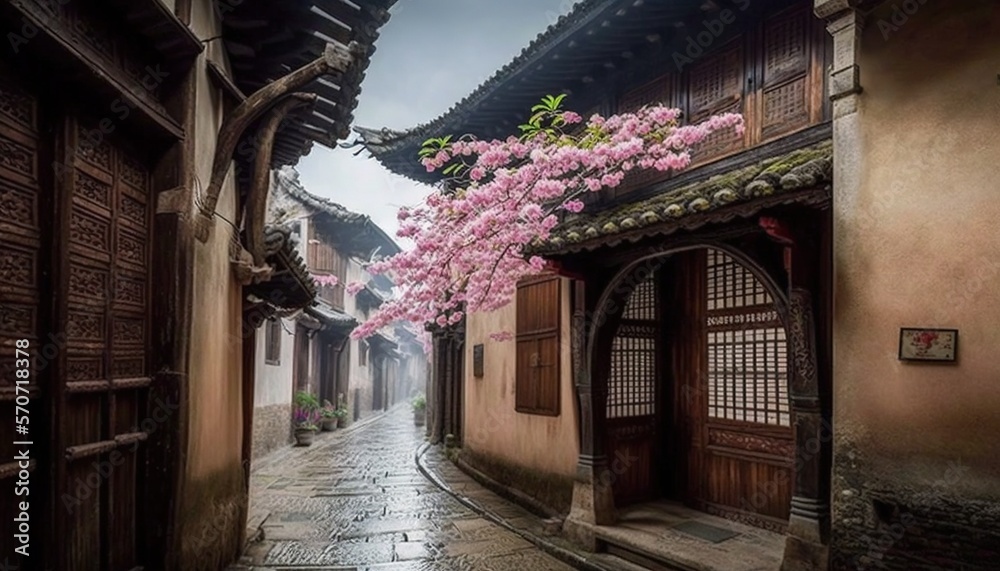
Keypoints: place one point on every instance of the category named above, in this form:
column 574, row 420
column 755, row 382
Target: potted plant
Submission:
column 329, row 416
column 306, row 417
column 341, row 411
column 340, row 415
column 419, row 410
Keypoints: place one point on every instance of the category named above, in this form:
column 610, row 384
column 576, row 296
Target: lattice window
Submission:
column 715, row 87
column 656, row 92
column 786, row 63
column 632, row 381
column 747, row 349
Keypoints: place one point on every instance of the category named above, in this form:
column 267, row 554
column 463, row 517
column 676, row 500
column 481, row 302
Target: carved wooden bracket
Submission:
column 334, row 59
column 256, row 205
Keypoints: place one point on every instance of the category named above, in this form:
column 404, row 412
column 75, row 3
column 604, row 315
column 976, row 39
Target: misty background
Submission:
column 430, row 55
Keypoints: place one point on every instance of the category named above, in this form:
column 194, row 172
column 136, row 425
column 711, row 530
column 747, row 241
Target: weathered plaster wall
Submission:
column 361, row 376
column 916, row 464
column 272, row 394
column 213, row 490
column 533, row 448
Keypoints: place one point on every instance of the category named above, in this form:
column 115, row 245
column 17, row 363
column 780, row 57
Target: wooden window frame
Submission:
column 272, row 342
column 363, row 349
column 555, row 332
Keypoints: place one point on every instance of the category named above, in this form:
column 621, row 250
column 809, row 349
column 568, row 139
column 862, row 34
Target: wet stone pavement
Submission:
column 355, row 500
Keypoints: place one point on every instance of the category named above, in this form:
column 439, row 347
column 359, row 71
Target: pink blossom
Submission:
column 354, row 287
column 469, row 247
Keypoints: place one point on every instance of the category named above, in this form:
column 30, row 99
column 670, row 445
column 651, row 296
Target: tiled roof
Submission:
column 741, row 192
column 331, row 316
column 362, row 230
column 571, row 56
column 265, row 39
column 291, row 287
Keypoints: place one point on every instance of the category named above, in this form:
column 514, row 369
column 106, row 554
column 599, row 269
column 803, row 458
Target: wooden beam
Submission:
column 334, row 59
column 259, row 184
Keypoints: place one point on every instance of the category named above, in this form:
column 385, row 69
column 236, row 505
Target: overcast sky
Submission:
column 430, row 54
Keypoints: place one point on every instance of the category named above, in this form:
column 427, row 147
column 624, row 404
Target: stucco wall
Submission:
column 361, row 376
column 916, row 246
column 213, row 491
column 540, row 446
column 272, row 396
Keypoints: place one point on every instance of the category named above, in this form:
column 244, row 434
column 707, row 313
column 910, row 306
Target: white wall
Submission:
column 273, row 383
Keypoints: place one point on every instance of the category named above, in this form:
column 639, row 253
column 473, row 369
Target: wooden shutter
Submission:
column 657, row 92
column 715, row 86
column 786, row 90
column 538, row 355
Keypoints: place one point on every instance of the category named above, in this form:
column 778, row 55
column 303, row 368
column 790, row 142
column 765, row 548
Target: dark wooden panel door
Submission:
column 24, row 265
column 632, row 397
column 744, row 431
column 104, row 217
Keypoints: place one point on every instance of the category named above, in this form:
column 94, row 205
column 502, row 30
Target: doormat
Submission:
column 705, row 531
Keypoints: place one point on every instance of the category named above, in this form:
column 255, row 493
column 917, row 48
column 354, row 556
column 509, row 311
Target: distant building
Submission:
column 311, row 350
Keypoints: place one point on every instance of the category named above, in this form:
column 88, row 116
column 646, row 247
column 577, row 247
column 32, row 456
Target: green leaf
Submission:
column 428, row 141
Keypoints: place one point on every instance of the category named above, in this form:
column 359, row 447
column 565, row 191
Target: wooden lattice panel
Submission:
column 785, row 97
column 715, row 87
column 747, row 349
column 656, row 92
column 632, row 380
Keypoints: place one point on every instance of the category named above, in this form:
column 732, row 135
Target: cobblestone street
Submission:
column 356, row 500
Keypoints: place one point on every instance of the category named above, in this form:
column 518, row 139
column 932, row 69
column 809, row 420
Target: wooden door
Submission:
column 632, row 397
column 103, row 222
column 743, row 448
column 25, row 271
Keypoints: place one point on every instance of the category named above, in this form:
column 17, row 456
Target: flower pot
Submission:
column 304, row 437
column 342, row 422
column 329, row 424
column 419, row 417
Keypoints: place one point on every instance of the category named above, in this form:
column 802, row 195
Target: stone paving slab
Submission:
column 356, row 501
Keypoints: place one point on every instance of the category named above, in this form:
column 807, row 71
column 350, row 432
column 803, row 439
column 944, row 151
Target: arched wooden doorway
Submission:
column 697, row 403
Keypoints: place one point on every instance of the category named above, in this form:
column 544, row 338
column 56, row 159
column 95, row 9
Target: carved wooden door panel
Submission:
column 104, row 218
column 23, row 264
column 746, row 444
column 632, row 397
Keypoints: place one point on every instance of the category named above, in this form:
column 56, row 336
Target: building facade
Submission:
column 311, row 350
column 136, row 265
column 728, row 338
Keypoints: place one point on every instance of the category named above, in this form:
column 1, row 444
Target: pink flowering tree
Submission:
column 502, row 196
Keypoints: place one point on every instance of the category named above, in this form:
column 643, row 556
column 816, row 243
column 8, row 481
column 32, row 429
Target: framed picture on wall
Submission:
column 940, row 345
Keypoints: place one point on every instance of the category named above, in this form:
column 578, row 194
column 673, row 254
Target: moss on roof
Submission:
column 801, row 169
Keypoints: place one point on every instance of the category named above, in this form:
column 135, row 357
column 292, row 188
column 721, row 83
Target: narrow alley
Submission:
column 356, row 500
